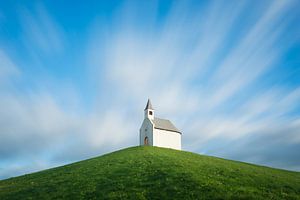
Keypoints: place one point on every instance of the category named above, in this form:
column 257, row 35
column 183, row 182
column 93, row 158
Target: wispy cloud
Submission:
column 41, row 31
column 7, row 68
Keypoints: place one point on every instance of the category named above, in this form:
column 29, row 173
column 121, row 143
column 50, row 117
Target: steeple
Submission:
column 149, row 111
column 149, row 105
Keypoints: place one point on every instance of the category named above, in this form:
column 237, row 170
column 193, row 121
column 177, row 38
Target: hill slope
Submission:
column 154, row 173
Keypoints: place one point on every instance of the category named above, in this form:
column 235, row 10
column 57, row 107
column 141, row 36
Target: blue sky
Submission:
column 75, row 77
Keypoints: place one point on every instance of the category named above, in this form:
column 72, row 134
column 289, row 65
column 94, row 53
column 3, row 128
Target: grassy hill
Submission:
column 154, row 173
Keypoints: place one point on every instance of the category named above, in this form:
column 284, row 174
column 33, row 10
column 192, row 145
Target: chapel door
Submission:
column 146, row 141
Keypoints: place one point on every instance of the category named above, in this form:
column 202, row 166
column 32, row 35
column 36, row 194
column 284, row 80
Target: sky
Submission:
column 75, row 78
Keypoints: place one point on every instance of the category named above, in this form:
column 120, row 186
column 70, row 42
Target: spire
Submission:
column 149, row 105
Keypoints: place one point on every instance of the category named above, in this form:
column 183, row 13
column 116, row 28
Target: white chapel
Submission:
column 158, row 132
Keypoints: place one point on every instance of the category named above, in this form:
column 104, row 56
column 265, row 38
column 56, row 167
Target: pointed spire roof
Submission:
column 149, row 105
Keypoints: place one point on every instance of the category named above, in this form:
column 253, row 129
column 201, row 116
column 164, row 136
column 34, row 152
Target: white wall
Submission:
column 146, row 130
column 167, row 139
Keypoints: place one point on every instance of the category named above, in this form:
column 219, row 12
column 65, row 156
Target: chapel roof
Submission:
column 164, row 124
column 149, row 105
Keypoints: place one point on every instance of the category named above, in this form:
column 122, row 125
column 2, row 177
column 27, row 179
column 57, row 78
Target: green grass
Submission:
column 154, row 173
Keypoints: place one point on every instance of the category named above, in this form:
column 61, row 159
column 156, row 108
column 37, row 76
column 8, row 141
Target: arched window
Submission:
column 146, row 141
column 150, row 113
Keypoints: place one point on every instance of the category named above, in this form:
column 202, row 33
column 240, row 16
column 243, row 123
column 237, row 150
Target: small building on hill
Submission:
column 158, row 132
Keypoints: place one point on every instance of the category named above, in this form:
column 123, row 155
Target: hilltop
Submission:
column 154, row 173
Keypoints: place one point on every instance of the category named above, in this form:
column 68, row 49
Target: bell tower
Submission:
column 149, row 111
